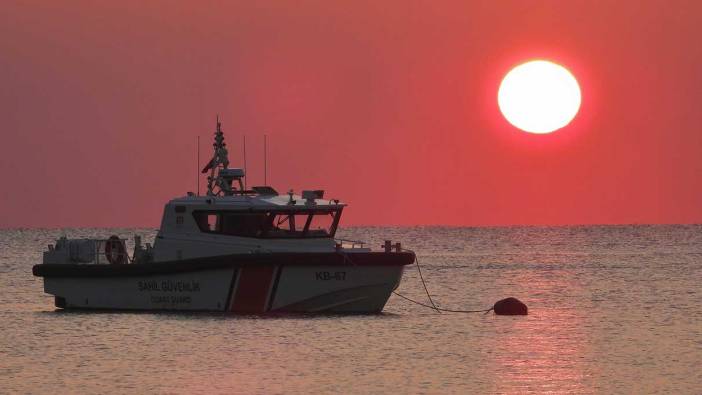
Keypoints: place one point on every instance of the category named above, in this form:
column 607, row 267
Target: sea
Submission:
column 612, row 309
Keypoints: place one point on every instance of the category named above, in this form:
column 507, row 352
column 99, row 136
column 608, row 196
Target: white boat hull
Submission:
column 252, row 289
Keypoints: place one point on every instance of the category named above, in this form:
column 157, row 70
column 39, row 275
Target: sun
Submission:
column 539, row 96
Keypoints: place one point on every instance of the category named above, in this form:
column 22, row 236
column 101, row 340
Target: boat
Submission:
column 233, row 249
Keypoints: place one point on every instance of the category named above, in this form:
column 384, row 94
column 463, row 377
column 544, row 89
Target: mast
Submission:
column 221, row 181
column 216, row 165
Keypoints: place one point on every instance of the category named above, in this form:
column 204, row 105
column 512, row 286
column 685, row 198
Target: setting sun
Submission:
column 539, row 97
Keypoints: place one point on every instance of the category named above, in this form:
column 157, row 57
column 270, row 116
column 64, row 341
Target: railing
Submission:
column 117, row 254
column 345, row 243
column 95, row 251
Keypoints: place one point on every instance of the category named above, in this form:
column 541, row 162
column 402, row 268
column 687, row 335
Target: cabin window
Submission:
column 207, row 222
column 269, row 224
column 242, row 224
column 321, row 223
column 285, row 225
column 212, row 222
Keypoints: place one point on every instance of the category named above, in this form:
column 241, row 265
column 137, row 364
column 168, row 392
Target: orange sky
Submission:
column 389, row 106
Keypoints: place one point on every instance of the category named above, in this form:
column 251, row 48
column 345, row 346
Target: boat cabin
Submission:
column 232, row 219
column 206, row 225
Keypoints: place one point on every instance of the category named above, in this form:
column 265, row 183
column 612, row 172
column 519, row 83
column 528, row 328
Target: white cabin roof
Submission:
column 256, row 201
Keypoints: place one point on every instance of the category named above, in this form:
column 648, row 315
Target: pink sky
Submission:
column 389, row 106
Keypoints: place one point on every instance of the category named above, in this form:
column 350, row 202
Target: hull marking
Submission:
column 253, row 289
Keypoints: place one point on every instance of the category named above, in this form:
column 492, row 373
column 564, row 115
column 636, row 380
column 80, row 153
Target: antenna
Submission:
column 200, row 125
column 265, row 160
column 245, row 173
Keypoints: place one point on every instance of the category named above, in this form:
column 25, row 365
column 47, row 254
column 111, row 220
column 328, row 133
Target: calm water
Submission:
column 612, row 310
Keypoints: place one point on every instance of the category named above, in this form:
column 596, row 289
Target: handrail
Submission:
column 100, row 251
column 354, row 243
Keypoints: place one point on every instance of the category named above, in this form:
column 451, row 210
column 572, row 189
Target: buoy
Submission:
column 510, row 306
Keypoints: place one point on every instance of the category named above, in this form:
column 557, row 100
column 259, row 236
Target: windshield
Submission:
column 271, row 224
column 300, row 224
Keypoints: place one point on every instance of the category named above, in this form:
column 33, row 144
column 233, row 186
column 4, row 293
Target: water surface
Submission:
column 613, row 309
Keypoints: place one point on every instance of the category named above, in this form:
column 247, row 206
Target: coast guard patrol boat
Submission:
column 237, row 250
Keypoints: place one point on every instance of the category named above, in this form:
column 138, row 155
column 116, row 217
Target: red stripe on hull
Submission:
column 253, row 287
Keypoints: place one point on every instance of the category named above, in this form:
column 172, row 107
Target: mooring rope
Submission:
column 433, row 305
column 419, row 270
column 439, row 309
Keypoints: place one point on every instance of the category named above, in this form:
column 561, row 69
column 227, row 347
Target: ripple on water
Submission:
column 612, row 309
